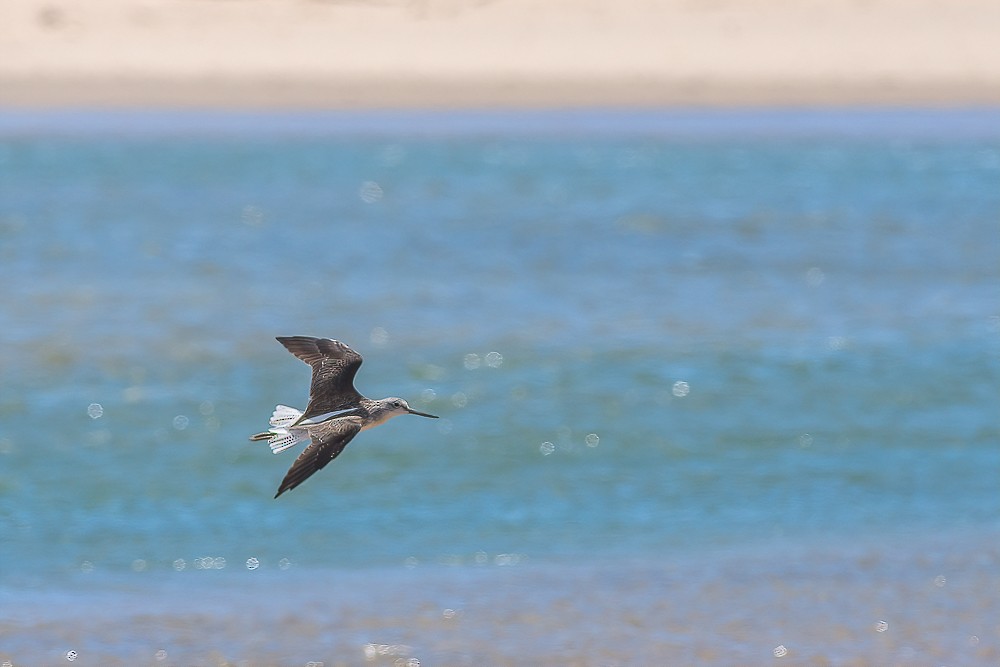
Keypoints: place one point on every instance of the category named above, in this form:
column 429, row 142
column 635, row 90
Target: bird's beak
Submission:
column 422, row 414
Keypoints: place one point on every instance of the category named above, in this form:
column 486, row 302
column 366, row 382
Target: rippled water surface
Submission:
column 729, row 372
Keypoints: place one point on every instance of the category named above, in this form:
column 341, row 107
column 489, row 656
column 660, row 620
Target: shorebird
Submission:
column 336, row 411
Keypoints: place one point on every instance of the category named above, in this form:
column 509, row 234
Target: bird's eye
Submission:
column 396, row 404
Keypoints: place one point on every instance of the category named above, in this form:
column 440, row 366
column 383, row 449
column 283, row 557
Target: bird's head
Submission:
column 393, row 406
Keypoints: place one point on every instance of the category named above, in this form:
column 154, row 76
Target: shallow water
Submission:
column 738, row 373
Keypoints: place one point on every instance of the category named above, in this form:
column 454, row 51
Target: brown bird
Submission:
column 336, row 411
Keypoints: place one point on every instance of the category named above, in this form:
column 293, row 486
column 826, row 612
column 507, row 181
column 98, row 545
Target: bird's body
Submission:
column 336, row 411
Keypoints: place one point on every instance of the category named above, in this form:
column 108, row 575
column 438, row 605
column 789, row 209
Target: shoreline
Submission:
column 979, row 123
column 480, row 93
column 887, row 600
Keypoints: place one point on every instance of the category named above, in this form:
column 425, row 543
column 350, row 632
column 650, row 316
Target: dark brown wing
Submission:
column 334, row 366
column 328, row 440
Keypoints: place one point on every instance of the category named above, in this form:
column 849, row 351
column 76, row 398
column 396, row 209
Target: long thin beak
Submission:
column 422, row 414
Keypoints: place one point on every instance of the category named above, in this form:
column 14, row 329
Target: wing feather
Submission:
column 328, row 440
column 334, row 366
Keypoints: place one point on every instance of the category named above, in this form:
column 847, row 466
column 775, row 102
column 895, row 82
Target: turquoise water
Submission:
column 659, row 347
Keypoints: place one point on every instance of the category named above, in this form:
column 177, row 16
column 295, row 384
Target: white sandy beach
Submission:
column 513, row 53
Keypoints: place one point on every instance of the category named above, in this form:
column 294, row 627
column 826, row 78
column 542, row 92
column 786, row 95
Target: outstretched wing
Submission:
column 328, row 440
column 334, row 365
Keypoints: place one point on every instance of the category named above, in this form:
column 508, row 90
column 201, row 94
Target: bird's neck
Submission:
column 377, row 414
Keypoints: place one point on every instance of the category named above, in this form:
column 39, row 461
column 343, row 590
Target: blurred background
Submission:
column 710, row 314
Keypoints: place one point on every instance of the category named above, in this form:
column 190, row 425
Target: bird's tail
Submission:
column 280, row 436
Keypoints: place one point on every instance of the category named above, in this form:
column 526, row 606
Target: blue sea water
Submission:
column 721, row 369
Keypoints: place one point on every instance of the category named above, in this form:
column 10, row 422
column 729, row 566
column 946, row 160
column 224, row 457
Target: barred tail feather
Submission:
column 285, row 438
column 279, row 437
column 284, row 415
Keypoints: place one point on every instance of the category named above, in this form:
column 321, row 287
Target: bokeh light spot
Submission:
column 379, row 336
column 370, row 192
column 252, row 216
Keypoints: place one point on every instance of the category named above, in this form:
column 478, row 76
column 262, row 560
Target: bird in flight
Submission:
column 336, row 411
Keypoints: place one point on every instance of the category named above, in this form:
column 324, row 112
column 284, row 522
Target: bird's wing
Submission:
column 328, row 440
column 334, row 365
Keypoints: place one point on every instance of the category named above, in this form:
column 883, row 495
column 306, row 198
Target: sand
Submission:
column 336, row 54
